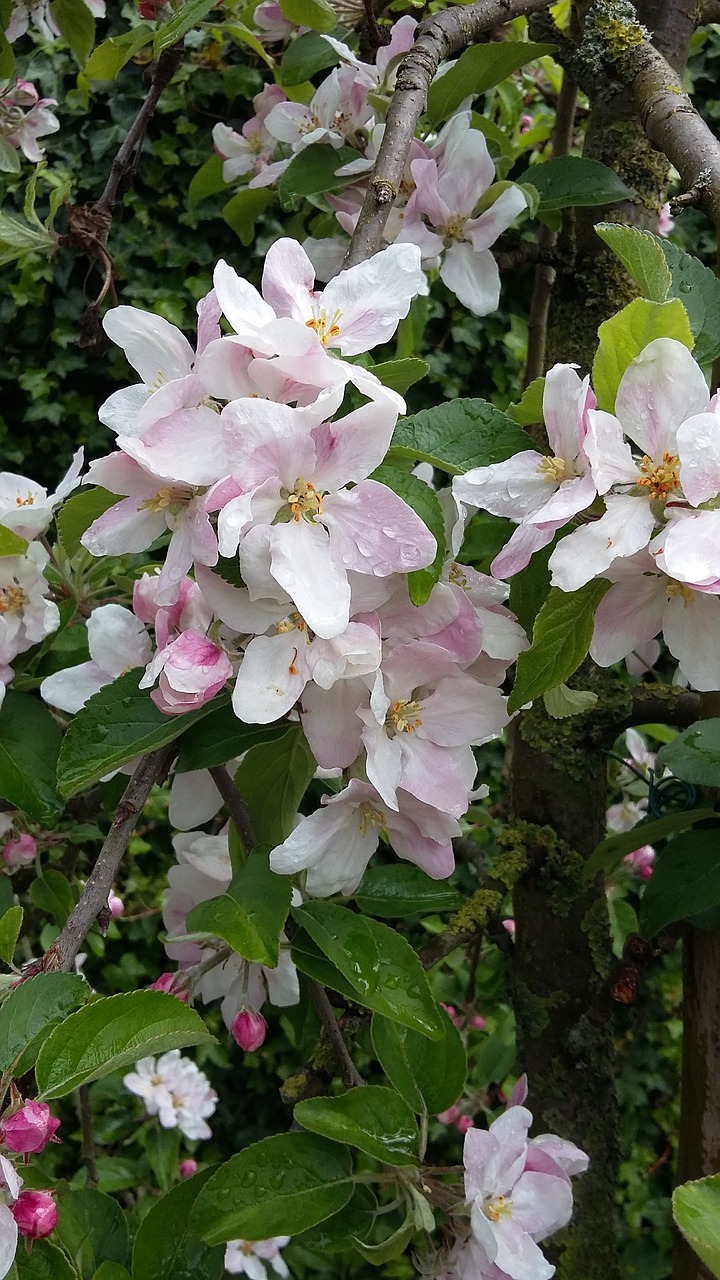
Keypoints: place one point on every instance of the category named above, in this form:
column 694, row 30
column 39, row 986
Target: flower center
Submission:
column 369, row 816
column 305, row 501
column 307, row 126
column 326, row 330
column 403, row 717
column 455, row 227
column 12, row 598
column 660, row 478
column 553, row 469
column 457, row 575
column 497, row 1207
column 163, row 499
column 25, row 502
column 680, row 590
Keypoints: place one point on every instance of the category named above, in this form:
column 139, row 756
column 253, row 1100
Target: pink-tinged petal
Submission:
column 187, row 445
column 356, row 652
column 466, row 171
column 384, row 766
column 564, row 403
column 441, row 776
column 208, row 322
column 119, row 412
column 541, row 1204
column 223, row 369
column 570, row 1158
column 69, row 689
column 126, row 527
column 473, row 277
column 237, row 515
column 428, row 242
column 288, row 280
column 521, row 547
column 117, row 639
column 629, row 615
column 660, row 388
column 194, row 800
column 331, row 724
column 272, row 675
column 181, row 393
column 625, row 528
column 426, row 198
column 518, row 1255
column 519, row 1092
column 571, row 497
column 234, row 606
column 334, row 844
column 690, row 628
column 255, row 569
column 409, row 666
column 461, row 711
column 691, row 550
column 608, row 453
column 71, row 479
column 372, row 530
column 241, row 303
column 304, row 565
column 121, row 474
column 417, row 836
column 8, row 1239
column 698, row 444
column 154, row 347
column 514, row 489
column 264, row 440
column 482, row 232
column 286, row 121
column 372, row 297
column 348, row 450
column 403, row 621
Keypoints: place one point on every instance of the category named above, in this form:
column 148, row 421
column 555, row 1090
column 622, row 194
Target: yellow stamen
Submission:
column 660, row 479
column 305, row 502
column 553, row 469
column 326, row 330
column 25, row 502
column 12, row 599
column 680, row 590
column 497, row 1207
column 163, row 499
column 402, row 717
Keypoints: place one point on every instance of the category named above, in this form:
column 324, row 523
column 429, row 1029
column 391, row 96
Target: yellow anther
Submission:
column 305, row 501
column 660, row 478
column 403, row 717
column 163, row 499
column 25, row 502
column 497, row 1207
column 455, row 227
column 12, row 599
column 326, row 330
column 553, row 469
column 680, row 590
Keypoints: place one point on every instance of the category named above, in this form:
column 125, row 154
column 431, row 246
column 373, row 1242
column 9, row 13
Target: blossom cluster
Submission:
column 175, row 1090
column 25, row 117
column 26, row 1127
column 644, row 483
column 448, row 204
column 40, row 14
column 633, row 779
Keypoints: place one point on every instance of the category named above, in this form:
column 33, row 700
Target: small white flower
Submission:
column 176, row 1091
column 248, row 1258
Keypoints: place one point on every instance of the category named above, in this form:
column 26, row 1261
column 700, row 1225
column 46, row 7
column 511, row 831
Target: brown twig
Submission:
column 662, row 704
column 61, row 955
column 437, row 38
column 235, row 805
column 349, row 1073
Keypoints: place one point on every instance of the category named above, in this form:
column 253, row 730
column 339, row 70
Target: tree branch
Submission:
column 235, row 805
column 662, row 704
column 151, row 769
column 437, row 38
column 351, row 1077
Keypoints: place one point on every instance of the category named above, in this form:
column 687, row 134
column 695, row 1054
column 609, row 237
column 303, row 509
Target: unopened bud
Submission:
column 116, row 906
column 170, row 982
column 249, row 1030
column 30, row 1129
column 188, row 1168
column 35, row 1214
column 463, row 1124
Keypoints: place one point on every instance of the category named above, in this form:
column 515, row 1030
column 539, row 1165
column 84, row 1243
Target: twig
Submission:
column 661, row 704
column 61, row 955
column 350, row 1075
column 88, row 1134
column 236, row 806
column 436, row 39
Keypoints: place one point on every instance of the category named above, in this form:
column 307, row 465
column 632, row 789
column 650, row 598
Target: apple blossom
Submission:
column 35, row 1214
column 190, row 671
column 30, row 1129
column 117, row 641
column 26, row 615
column 40, row 11
column 25, row 506
column 176, row 1091
column 8, row 1240
column 249, row 1030
column 273, row 26
column 20, row 851
column 172, row 984
column 338, row 112
column 249, row 151
column 248, row 1258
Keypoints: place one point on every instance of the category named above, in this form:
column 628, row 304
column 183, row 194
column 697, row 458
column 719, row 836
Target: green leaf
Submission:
column 478, row 69
column 164, row 1249
column 457, row 436
column 316, row 14
column 332, row 1235
column 698, row 288
column 694, row 755
column 183, row 20
column 242, row 35
column 7, row 58
column 400, row 374
column 112, row 55
column 10, row 926
column 29, row 746
column 313, row 171
column 111, row 1271
column 570, row 181
column 402, row 889
column 77, row 26
column 78, row 513
column 424, row 502
column 378, row 963
column 561, row 638
column 684, row 882
column 250, row 913
column 530, row 588
column 115, row 725
column 115, row 1032
column 430, row 1075
column 9, row 158
column 392, row 1247
column 641, row 254
column 561, row 702
column 207, row 181
column 696, row 1210
column 272, row 780
column 529, row 408
column 309, row 959
column 611, row 851
column 243, row 210
column 162, row 1148
column 372, row 1118
column 11, row 544
column 52, row 894
column 46, row 1262
column 626, row 334
column 32, row 1010
column 19, row 237
column 221, row 737
column 92, row 1227
column 279, row 1186
column 306, row 56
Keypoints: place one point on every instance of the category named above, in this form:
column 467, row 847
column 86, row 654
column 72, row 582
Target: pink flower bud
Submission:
column 451, row 1116
column 526, row 122
column 20, row 851
column 463, row 1124
column 29, row 1129
column 477, row 1023
column 170, row 982
column 188, row 1168
column 115, row 904
column 641, row 861
column 249, row 1030
column 509, row 927
column 35, row 1214
column 191, row 670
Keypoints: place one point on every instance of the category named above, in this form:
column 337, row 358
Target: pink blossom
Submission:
column 188, row 1168
column 20, row 851
column 451, row 1115
column 41, row 13
column 30, row 1129
column 478, row 1023
column 116, row 905
column 641, row 861
column 509, row 927
column 26, row 614
column 247, row 1258
column 463, row 1123
column 665, row 222
column 35, row 1214
column 118, row 642
column 191, row 670
column 25, row 117
column 172, row 984
column 337, row 113
column 249, row 151
column 249, row 1030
